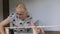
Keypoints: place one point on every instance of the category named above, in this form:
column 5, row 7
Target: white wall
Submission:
column 1, row 10
column 46, row 11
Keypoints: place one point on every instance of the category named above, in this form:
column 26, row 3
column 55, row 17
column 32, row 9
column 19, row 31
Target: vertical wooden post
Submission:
column 5, row 8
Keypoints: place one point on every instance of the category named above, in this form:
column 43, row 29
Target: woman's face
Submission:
column 21, row 12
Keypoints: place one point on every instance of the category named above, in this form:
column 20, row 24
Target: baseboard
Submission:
column 52, row 32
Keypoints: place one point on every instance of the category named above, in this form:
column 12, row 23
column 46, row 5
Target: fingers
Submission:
column 42, row 31
column 33, row 26
column 36, row 30
column 32, row 23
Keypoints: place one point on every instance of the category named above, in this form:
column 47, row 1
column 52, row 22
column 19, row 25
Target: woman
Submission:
column 19, row 17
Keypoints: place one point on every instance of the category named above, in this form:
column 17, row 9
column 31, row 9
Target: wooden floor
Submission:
column 52, row 32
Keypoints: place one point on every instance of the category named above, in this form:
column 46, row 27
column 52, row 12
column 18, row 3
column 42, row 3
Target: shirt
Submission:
column 16, row 22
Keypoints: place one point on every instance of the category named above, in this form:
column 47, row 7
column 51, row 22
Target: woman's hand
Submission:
column 35, row 29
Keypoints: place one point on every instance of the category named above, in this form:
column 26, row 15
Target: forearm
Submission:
column 2, row 29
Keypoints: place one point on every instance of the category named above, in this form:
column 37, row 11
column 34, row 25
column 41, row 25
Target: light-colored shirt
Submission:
column 16, row 22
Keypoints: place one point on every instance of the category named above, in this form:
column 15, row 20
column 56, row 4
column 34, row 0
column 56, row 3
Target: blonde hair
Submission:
column 22, row 7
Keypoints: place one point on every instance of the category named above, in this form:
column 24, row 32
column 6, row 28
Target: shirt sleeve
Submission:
column 36, row 21
column 11, row 17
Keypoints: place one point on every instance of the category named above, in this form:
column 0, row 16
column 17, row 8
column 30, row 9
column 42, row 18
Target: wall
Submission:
column 1, row 10
column 46, row 11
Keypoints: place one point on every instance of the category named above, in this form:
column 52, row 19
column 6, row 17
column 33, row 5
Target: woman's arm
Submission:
column 2, row 24
column 35, row 29
column 2, row 29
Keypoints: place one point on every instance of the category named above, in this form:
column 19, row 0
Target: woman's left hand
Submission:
column 34, row 28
